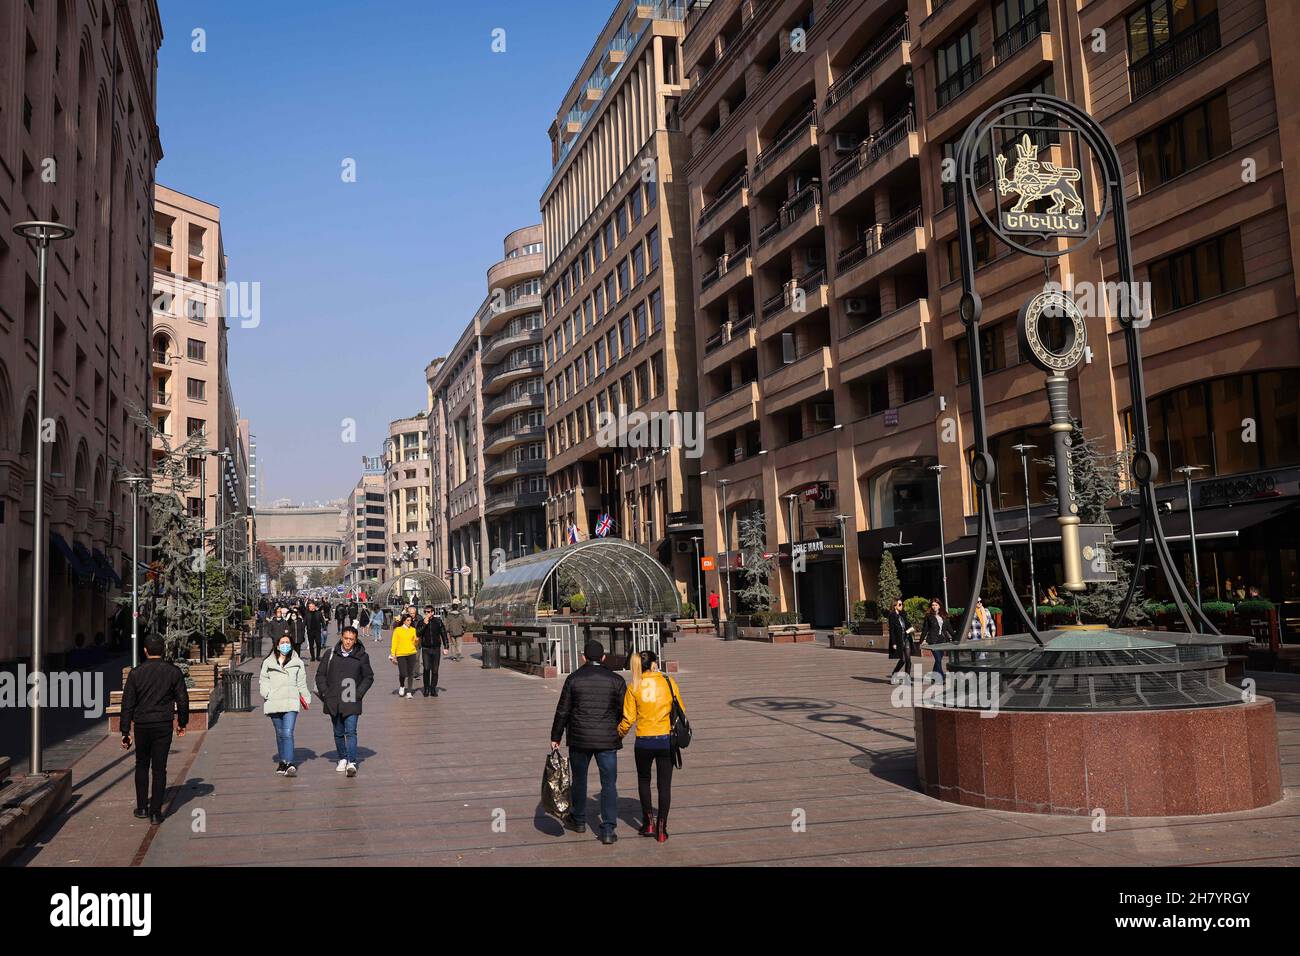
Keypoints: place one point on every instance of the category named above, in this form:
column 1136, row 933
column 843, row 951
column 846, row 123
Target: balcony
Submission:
column 499, row 345
column 503, row 406
column 1020, row 33
column 958, row 83
column 732, row 410
column 874, row 241
column 728, row 344
column 494, row 321
column 161, row 400
column 881, row 152
column 726, row 203
column 733, row 268
column 779, row 312
column 891, row 50
column 1182, row 51
column 162, row 238
column 508, row 469
column 788, row 146
column 161, row 359
column 616, row 53
column 915, row 417
column 802, row 379
column 885, row 340
column 798, row 215
column 506, row 501
column 503, row 439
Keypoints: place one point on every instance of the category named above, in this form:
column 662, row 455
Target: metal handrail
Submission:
column 1181, row 52
column 958, row 83
column 1020, row 33
column 718, row 339
column 725, row 193
column 871, row 149
column 877, row 237
column 784, row 140
column 892, row 37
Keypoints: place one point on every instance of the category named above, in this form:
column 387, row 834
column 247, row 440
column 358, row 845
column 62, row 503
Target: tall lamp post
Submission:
column 726, row 544
column 793, row 499
column 844, row 543
column 1187, row 471
column 699, row 575
column 42, row 233
column 135, row 481
column 1024, row 450
column 943, row 545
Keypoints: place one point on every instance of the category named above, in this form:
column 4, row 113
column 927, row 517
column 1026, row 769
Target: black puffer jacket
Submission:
column 154, row 692
column 590, row 707
column 333, row 674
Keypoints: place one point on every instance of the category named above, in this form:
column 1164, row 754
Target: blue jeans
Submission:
column 284, row 724
column 938, row 662
column 345, row 732
column 607, row 764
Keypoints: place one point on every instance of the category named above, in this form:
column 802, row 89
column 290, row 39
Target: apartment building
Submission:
column 407, row 487
column 78, row 144
column 833, row 361
column 365, row 530
column 307, row 536
column 616, row 292
column 190, row 391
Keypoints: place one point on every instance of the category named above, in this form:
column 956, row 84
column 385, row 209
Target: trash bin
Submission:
column 239, row 691
column 729, row 631
column 491, row 655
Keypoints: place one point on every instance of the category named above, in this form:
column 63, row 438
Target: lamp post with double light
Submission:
column 726, row 545
column 793, row 499
column 1187, row 471
column 135, row 481
column 943, row 546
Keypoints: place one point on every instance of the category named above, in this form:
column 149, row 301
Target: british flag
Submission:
column 573, row 534
column 604, row 526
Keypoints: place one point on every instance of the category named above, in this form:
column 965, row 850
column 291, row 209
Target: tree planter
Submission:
column 870, row 628
column 860, row 642
column 778, row 634
column 205, row 700
column 696, row 625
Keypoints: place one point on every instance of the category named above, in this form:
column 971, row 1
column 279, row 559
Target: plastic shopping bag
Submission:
column 557, row 784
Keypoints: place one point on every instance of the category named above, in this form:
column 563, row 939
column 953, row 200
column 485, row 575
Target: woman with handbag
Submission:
column 900, row 636
column 654, row 703
column 283, row 684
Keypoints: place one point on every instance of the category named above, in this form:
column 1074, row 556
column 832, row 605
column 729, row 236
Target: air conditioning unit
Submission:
column 824, row 412
column 684, row 547
column 846, row 142
column 856, row 306
column 738, row 454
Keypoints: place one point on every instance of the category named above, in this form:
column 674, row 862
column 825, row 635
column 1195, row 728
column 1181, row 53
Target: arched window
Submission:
column 903, row 494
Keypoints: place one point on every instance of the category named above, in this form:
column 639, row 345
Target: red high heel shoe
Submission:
column 661, row 831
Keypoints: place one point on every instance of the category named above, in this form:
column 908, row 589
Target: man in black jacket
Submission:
column 590, row 708
column 342, row 680
column 154, row 690
column 433, row 645
column 315, row 624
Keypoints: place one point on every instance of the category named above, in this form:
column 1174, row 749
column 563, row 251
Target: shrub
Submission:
column 1217, row 608
column 772, row 618
column 915, row 609
column 578, row 601
column 866, row 610
column 543, row 605
column 688, row 609
column 1255, row 606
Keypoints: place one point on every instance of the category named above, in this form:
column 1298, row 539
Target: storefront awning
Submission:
column 1045, row 531
column 81, row 567
column 108, row 574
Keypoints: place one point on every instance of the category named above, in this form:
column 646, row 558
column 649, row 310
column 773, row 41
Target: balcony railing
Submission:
column 504, row 431
column 728, row 332
column 774, row 305
column 162, row 238
column 725, row 264
column 784, row 141
column 958, row 83
column 160, row 358
column 871, row 149
column 510, row 466
column 1182, row 51
column 523, row 399
column 891, row 38
column 1020, row 33
column 877, row 237
column 790, row 211
column 725, row 193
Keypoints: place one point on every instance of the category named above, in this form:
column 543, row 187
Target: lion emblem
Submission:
column 1034, row 180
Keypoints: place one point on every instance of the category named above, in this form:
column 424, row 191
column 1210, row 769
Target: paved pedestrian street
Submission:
column 799, row 758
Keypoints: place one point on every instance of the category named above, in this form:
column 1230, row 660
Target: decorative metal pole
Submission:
column 844, row 542
column 135, row 482
column 42, row 233
column 794, row 581
column 699, row 576
column 1024, row 450
column 943, row 544
column 726, row 543
column 1187, row 471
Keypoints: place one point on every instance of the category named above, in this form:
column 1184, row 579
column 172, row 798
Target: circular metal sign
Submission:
column 1052, row 332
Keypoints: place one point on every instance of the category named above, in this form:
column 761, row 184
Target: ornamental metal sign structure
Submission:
column 1051, row 210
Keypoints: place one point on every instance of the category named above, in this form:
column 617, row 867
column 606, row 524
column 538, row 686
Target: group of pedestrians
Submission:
column 936, row 628
column 596, row 710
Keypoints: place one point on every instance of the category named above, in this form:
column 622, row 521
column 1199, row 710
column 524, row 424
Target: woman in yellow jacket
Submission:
column 403, row 653
column 648, row 704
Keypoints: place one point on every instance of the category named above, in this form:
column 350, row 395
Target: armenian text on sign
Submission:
column 1032, row 180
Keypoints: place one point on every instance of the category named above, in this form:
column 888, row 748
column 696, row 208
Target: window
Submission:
column 635, row 203
column 600, row 356
column 657, row 373
column 598, row 296
column 651, row 194
column 196, row 389
column 992, row 354
column 624, row 279
column 656, row 310
column 1185, row 142
column 1207, row 269
column 620, row 222
column 195, row 426
column 195, row 507
column 957, row 65
column 194, row 466
column 982, row 168
column 196, row 349
column 638, row 316
column 1165, row 37
column 642, row 383
column 611, row 343
column 652, row 243
column 983, row 245
column 638, row 265
column 1015, row 23
column 625, row 335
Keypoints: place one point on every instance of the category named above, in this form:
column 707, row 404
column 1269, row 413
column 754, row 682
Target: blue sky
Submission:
column 361, row 283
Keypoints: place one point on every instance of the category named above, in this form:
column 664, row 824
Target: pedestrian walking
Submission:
column 982, row 625
column 155, row 690
column 363, row 621
column 283, row 685
column 342, row 680
column 648, row 703
column 936, row 630
column 433, row 647
column 456, row 628
column 314, row 624
column 588, row 715
column 715, row 612
column 403, row 653
column 340, row 612
column 900, row 637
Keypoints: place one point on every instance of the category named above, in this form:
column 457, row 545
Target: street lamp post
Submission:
column 1187, row 471
column 135, row 481
column 699, row 575
column 844, row 543
column 943, row 546
column 726, row 544
column 794, row 581
column 1024, row 450
column 42, row 233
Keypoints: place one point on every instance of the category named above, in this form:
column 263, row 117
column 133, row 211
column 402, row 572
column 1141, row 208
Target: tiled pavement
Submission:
column 784, row 734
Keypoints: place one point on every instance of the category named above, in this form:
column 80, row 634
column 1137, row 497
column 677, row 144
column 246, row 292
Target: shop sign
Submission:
column 1237, row 489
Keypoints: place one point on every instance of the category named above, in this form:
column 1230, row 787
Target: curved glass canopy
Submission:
column 620, row 581
column 429, row 589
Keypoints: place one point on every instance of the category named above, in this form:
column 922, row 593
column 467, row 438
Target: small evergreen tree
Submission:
column 888, row 590
column 756, row 595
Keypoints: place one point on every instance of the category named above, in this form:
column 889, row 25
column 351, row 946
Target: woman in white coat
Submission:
column 283, row 683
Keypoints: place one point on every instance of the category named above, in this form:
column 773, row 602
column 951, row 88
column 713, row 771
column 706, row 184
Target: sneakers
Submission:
column 291, row 771
column 401, row 692
column 352, row 770
column 343, row 765
column 282, row 768
column 610, row 838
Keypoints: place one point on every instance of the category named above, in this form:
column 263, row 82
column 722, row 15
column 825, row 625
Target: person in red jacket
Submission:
column 714, row 603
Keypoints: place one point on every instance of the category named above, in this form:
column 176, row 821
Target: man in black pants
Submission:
column 315, row 624
column 154, row 690
column 433, row 646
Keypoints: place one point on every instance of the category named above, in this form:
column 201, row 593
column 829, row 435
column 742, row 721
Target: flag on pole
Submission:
column 605, row 525
column 573, row 534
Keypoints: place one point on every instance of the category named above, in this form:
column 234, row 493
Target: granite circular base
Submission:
column 1151, row 763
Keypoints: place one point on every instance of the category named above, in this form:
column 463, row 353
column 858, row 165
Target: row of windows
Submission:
column 632, row 330
column 633, row 390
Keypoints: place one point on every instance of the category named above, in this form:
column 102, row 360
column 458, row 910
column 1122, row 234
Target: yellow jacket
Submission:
column 405, row 642
column 650, row 707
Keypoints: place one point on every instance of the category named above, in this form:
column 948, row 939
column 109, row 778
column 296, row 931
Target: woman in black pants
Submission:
column 648, row 703
column 936, row 630
column 900, row 635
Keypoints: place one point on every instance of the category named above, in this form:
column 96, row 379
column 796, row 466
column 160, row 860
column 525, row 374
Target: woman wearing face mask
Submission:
column 283, row 684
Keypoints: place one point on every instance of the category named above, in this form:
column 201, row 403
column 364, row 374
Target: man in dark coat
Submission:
column 433, row 646
column 342, row 680
column 314, row 622
column 589, row 711
column 155, row 690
